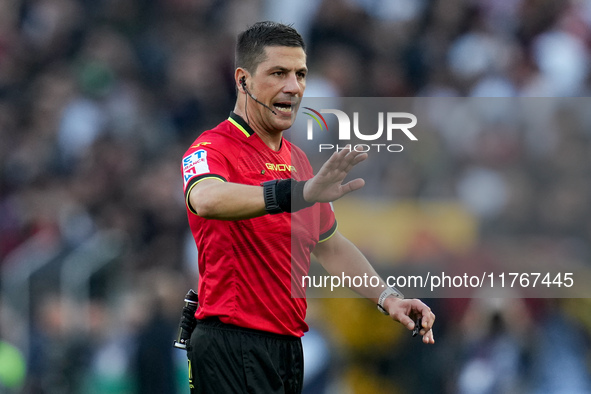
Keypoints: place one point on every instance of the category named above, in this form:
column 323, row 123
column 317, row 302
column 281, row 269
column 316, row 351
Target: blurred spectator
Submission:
column 494, row 347
column 559, row 365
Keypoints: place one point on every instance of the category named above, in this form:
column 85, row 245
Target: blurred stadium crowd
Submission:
column 100, row 98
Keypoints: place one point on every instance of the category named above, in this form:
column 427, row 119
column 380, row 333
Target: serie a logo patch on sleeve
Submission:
column 195, row 164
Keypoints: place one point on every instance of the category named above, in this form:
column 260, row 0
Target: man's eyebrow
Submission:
column 284, row 69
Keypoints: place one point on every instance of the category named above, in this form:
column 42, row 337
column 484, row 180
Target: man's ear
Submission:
column 240, row 77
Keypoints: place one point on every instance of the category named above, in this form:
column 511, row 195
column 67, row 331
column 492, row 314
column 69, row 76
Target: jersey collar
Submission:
column 237, row 121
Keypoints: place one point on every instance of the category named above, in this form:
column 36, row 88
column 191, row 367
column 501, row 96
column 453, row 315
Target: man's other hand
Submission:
column 411, row 310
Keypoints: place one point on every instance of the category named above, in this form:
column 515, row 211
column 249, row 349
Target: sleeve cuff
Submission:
column 195, row 180
column 328, row 234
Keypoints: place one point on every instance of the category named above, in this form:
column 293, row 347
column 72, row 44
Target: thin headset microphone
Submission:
column 243, row 83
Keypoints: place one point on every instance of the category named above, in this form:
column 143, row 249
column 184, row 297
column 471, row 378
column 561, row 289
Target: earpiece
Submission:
column 243, row 83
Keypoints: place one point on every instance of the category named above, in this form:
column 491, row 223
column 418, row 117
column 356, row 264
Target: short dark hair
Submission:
column 250, row 47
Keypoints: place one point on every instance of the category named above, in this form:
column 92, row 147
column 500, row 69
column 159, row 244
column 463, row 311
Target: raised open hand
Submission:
column 327, row 185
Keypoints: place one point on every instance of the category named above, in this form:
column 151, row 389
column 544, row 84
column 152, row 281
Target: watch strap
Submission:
column 390, row 291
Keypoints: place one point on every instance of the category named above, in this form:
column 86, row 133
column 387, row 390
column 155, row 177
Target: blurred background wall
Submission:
column 99, row 99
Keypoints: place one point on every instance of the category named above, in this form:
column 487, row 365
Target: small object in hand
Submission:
column 417, row 328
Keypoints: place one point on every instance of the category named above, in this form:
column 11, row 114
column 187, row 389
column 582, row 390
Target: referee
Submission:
column 257, row 212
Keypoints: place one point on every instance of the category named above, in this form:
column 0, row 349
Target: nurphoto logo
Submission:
column 395, row 122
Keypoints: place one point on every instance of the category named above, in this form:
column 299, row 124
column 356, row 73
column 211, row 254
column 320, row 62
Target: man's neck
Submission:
column 272, row 139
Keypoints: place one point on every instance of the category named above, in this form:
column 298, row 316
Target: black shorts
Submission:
column 228, row 359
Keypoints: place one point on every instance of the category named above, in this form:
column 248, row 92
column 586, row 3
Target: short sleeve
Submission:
column 328, row 222
column 202, row 161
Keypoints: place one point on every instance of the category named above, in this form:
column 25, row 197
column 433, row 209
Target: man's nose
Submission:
column 292, row 86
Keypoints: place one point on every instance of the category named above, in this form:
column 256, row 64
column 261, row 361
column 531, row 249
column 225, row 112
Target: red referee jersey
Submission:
column 249, row 268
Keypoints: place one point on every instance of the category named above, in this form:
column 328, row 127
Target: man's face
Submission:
column 278, row 82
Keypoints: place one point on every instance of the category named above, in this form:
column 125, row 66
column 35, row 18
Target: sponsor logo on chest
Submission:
column 280, row 167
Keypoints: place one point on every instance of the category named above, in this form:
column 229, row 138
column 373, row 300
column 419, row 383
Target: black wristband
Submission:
column 284, row 195
column 270, row 196
column 297, row 196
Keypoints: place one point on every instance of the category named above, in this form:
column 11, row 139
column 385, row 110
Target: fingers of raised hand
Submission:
column 346, row 158
column 353, row 185
column 353, row 159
